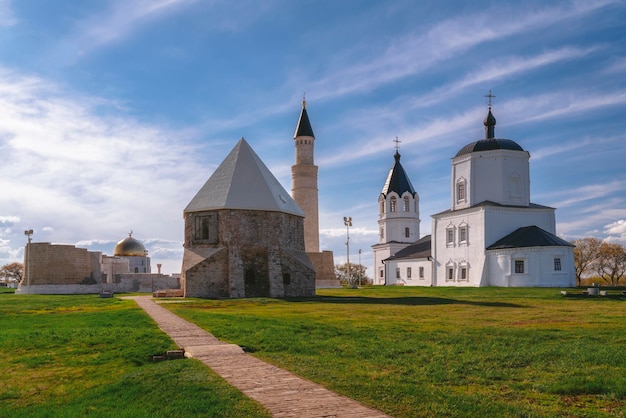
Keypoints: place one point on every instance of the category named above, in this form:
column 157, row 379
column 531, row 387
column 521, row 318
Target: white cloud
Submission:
column 616, row 231
column 9, row 220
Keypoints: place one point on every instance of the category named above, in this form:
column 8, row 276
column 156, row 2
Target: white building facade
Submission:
column 492, row 235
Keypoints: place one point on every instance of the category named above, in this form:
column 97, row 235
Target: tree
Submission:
column 585, row 256
column 611, row 262
column 12, row 271
column 358, row 274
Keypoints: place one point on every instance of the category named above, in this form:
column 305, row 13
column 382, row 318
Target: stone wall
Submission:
column 255, row 254
column 61, row 264
column 324, row 265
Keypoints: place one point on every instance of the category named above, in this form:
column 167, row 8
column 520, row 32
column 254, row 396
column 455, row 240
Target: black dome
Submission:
column 488, row 145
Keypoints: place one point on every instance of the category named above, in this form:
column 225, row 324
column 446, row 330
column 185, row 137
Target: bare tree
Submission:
column 12, row 271
column 611, row 262
column 585, row 256
column 357, row 274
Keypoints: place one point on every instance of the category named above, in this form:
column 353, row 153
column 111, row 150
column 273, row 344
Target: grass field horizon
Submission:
column 405, row 351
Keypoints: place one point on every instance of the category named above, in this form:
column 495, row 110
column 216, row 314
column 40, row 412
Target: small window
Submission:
column 464, row 273
column 463, row 234
column 286, row 278
column 392, row 204
column 460, row 192
column 382, row 206
column 397, row 273
column 519, row 266
column 408, row 272
column 557, row 264
column 407, row 232
column 449, row 236
column 406, row 203
column 421, row 272
column 381, row 273
column 381, row 231
column 450, row 273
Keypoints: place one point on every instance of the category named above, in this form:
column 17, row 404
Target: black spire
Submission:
column 304, row 126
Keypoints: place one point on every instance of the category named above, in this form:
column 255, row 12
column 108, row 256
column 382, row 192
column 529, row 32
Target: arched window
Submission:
column 406, row 203
column 392, row 204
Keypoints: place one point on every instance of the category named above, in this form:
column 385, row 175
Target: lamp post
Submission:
column 29, row 234
column 347, row 221
column 360, row 275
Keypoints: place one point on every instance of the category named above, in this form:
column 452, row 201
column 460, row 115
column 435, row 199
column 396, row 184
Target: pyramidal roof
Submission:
column 397, row 180
column 242, row 181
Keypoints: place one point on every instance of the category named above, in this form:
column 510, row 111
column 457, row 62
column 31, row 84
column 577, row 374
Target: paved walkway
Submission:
column 282, row 393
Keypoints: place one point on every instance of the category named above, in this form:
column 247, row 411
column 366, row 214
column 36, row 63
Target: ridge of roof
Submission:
column 419, row 249
column 243, row 181
column 529, row 236
column 489, row 203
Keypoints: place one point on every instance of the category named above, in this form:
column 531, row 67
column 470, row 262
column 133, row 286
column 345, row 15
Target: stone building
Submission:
column 304, row 191
column 244, row 235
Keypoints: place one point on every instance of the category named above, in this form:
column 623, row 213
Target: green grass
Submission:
column 440, row 352
column 75, row 356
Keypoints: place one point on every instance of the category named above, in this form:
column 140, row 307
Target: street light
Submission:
column 360, row 271
column 29, row 234
column 347, row 221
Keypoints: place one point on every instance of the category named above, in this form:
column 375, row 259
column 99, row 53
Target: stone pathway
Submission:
column 282, row 393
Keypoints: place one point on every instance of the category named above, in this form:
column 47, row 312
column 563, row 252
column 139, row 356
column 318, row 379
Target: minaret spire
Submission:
column 490, row 120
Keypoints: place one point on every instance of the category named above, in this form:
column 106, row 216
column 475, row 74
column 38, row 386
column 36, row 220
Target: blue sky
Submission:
column 114, row 113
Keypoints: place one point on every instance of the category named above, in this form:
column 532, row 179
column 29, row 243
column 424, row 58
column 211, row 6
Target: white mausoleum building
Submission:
column 492, row 235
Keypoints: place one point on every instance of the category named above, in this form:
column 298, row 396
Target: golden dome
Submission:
column 130, row 247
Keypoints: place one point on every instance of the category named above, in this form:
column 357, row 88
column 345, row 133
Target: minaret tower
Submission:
column 304, row 181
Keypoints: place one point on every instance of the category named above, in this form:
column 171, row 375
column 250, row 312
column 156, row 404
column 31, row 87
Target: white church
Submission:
column 492, row 235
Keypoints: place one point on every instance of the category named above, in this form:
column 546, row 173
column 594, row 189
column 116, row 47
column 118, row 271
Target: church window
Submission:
column 557, row 264
column 408, row 272
column 450, row 276
column 464, row 273
column 450, row 236
column 392, row 204
column 407, row 232
column 514, row 189
column 460, row 190
column 519, row 266
column 381, row 231
column 421, row 272
column 397, row 273
column 381, row 273
column 463, row 234
column 382, row 206
column 406, row 203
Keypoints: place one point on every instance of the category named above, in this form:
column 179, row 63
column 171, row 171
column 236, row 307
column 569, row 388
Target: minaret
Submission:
column 304, row 181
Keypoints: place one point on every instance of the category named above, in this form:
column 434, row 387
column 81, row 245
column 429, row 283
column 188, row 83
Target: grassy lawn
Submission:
column 75, row 356
column 409, row 352
column 440, row 352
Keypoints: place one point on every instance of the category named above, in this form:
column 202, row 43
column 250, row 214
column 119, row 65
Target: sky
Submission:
column 114, row 113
